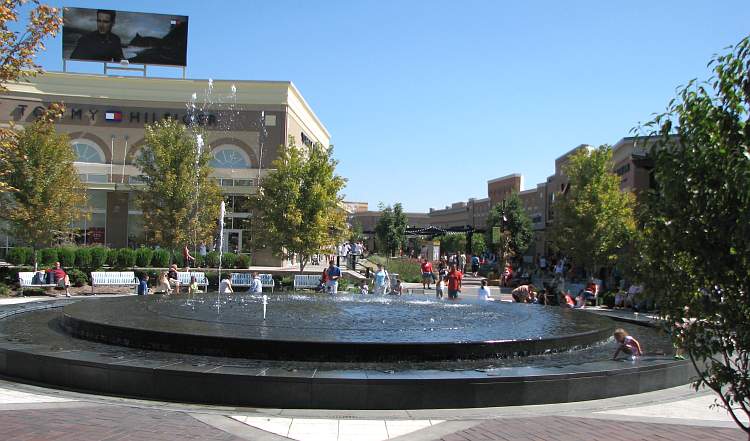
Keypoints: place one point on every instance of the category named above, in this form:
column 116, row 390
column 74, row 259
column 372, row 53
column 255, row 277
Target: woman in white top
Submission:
column 484, row 292
column 225, row 285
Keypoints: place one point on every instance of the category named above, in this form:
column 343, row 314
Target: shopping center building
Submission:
column 105, row 118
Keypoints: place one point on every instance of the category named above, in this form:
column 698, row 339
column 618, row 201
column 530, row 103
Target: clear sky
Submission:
column 428, row 100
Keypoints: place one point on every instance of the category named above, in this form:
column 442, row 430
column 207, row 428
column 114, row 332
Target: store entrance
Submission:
column 232, row 241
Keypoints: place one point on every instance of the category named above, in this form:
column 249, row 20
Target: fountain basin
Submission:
column 322, row 328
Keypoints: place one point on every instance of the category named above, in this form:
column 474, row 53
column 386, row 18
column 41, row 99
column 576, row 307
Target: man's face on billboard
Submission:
column 104, row 23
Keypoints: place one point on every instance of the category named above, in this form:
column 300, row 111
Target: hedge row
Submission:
column 97, row 256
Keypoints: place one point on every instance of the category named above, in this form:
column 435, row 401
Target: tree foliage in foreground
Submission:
column 299, row 204
column 180, row 202
column 516, row 228
column 17, row 52
column 697, row 227
column 48, row 196
column 594, row 221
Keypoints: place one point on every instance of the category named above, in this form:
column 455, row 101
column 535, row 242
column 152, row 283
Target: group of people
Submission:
column 53, row 276
column 169, row 283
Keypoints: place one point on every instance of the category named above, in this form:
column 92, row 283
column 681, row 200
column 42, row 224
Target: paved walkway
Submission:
column 34, row 413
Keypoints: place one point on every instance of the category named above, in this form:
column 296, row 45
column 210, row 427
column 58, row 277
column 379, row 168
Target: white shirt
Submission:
column 484, row 293
column 224, row 286
column 256, row 286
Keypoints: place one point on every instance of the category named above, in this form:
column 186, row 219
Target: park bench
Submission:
column 26, row 279
column 246, row 279
column 113, row 278
column 306, row 281
column 200, row 279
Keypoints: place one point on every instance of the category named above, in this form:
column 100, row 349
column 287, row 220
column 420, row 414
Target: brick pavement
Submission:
column 559, row 428
column 110, row 423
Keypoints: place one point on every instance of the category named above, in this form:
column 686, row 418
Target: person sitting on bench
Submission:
column 58, row 276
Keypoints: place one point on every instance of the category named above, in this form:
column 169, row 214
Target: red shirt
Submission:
column 454, row 280
column 426, row 267
column 59, row 274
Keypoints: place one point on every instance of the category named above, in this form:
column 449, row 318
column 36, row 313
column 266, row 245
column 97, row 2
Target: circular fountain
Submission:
column 315, row 351
column 321, row 328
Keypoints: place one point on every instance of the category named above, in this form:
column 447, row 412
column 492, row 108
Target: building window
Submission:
column 229, row 156
column 622, row 170
column 87, row 151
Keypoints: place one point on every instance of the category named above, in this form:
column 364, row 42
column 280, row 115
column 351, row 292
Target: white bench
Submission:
column 25, row 279
column 113, row 278
column 306, row 281
column 246, row 279
column 200, row 279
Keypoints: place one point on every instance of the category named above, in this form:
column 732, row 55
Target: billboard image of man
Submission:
column 102, row 44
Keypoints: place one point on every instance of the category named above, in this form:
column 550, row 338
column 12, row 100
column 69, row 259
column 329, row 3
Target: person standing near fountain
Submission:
column 173, row 278
column 334, row 273
column 187, row 258
column 427, row 276
column 256, row 287
column 381, row 280
column 455, row 276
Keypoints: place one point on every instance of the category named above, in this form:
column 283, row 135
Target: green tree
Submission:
column 515, row 226
column 390, row 229
column 356, row 234
column 299, row 204
column 180, row 202
column 594, row 220
column 696, row 250
column 17, row 52
column 451, row 243
column 48, row 195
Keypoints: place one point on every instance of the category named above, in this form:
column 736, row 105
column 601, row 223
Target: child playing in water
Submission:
column 193, row 288
column 440, row 288
column 484, row 292
column 626, row 344
column 363, row 288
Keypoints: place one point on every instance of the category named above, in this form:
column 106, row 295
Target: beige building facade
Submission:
column 105, row 118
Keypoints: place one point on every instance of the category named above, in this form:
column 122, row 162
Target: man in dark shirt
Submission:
column 102, row 44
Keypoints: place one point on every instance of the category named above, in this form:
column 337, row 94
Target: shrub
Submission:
column 125, row 258
column 212, row 259
column 609, row 299
column 160, row 258
column 243, row 261
column 143, row 257
column 20, row 255
column 4, row 290
column 67, row 256
column 112, row 254
column 213, row 279
column 178, row 259
column 99, row 257
column 47, row 256
column 78, row 277
column 8, row 276
column 200, row 261
column 83, row 257
column 228, row 260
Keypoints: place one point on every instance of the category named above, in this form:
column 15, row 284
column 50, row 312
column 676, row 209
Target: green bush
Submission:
column 609, row 299
column 243, row 261
column 228, row 260
column 47, row 256
column 99, row 257
column 20, row 255
column 83, row 257
column 125, row 258
column 9, row 276
column 178, row 259
column 4, row 290
column 200, row 261
column 67, row 256
column 212, row 259
column 213, row 279
column 143, row 257
column 112, row 254
column 78, row 277
column 160, row 258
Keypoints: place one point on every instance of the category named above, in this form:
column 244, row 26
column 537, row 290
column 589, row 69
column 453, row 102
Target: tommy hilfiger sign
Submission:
column 145, row 117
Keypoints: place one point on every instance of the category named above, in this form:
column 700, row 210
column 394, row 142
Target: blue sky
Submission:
column 427, row 100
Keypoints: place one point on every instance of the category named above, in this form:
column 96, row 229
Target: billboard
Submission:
column 113, row 36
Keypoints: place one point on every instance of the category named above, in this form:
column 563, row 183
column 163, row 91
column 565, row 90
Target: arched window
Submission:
column 87, row 151
column 229, row 156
